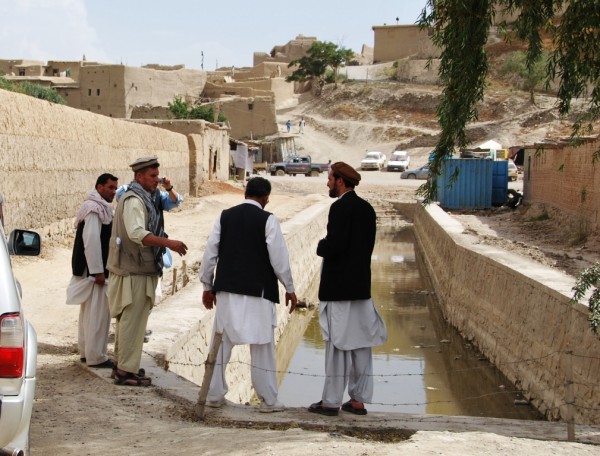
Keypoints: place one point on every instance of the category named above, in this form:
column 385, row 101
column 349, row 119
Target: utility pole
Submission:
column 202, row 60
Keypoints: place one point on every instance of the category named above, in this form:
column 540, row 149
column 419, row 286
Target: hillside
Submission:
column 359, row 116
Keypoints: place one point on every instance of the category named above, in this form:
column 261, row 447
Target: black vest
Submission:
column 244, row 266
column 78, row 261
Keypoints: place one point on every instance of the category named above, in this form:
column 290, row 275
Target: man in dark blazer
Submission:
column 349, row 321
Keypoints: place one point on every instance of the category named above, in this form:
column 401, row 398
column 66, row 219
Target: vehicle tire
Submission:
column 411, row 176
column 314, row 173
column 280, row 172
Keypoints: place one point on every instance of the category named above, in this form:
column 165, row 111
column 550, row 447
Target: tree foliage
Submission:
column 587, row 280
column 33, row 90
column 181, row 109
column 321, row 56
column 461, row 28
column 528, row 78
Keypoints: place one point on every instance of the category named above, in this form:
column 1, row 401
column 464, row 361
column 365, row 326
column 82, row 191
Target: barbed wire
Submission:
column 556, row 408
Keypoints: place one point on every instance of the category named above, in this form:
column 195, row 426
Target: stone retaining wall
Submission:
column 517, row 312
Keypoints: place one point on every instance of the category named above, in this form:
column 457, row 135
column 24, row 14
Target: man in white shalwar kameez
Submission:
column 88, row 286
column 349, row 321
column 252, row 256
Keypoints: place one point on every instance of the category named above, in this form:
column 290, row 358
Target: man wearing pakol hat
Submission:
column 349, row 321
column 135, row 262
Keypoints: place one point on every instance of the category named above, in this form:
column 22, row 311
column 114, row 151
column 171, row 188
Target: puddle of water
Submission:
column 425, row 367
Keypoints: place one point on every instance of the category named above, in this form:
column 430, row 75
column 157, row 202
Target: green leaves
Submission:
column 588, row 279
column 33, row 90
column 182, row 110
column 321, row 56
column 461, row 28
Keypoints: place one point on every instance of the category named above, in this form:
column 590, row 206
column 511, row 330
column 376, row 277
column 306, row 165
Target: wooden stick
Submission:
column 174, row 286
column 184, row 273
column 208, row 373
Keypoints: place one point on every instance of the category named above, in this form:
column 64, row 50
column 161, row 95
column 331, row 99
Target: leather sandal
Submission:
column 131, row 379
column 318, row 407
column 141, row 372
column 349, row 407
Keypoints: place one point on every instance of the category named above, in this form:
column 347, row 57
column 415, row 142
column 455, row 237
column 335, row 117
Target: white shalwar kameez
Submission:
column 94, row 316
column 247, row 319
column 350, row 329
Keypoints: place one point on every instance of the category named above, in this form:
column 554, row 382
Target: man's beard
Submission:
column 333, row 192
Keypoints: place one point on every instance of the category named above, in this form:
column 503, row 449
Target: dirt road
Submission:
column 77, row 412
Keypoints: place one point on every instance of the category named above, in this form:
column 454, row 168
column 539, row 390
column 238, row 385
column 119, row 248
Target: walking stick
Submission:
column 208, row 372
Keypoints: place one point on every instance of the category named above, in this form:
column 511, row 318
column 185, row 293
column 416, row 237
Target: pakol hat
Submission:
column 145, row 162
column 346, row 172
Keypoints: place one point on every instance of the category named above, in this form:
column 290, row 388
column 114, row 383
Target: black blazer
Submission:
column 347, row 249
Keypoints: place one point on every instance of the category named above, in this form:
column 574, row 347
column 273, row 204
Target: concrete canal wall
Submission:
column 517, row 312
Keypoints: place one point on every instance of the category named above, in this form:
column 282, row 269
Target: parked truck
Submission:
column 298, row 164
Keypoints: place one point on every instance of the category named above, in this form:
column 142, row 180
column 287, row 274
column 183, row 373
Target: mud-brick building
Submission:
column 395, row 42
column 115, row 90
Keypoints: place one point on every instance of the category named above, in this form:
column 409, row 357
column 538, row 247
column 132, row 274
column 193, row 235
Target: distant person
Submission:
column 329, row 165
column 288, row 125
column 252, row 256
column 349, row 321
column 301, row 125
column 135, row 262
column 88, row 286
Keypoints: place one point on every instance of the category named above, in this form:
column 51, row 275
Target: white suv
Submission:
column 18, row 348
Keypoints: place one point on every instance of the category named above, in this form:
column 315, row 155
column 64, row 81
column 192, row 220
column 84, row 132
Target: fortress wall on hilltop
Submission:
column 51, row 156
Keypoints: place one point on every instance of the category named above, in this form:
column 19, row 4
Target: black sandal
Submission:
column 141, row 372
column 130, row 379
column 318, row 407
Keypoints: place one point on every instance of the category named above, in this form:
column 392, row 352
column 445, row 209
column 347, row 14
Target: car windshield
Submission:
column 399, row 157
column 374, row 155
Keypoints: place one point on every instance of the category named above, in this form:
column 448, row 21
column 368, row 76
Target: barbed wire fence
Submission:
column 566, row 407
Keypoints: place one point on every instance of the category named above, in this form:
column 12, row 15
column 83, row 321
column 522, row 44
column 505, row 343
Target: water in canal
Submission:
column 425, row 367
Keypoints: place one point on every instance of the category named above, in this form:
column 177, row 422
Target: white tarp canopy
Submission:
column 491, row 144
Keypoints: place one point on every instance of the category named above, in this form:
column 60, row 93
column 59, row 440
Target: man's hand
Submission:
column 291, row 298
column 177, row 246
column 99, row 278
column 209, row 299
column 166, row 182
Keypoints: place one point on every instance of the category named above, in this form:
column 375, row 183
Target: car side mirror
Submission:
column 24, row 243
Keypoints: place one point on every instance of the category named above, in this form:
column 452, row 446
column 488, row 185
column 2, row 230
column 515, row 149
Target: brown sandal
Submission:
column 130, row 379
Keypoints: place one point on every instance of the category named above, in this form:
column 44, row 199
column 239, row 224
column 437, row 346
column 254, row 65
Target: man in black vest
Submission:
column 88, row 284
column 252, row 256
column 349, row 321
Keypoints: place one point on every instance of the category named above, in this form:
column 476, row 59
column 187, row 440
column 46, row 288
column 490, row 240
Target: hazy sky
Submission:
column 137, row 32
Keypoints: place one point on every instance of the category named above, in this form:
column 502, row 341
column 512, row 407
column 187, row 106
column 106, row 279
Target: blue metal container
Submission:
column 466, row 183
column 500, row 182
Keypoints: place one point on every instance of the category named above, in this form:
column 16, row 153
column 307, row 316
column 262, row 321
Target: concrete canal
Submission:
column 425, row 367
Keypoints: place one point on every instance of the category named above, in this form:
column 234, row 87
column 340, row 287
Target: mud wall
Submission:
column 566, row 178
column 516, row 311
column 51, row 156
column 186, row 349
column 208, row 149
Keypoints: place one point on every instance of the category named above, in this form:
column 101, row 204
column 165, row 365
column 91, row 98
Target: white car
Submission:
column 18, row 348
column 373, row 160
column 399, row 161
